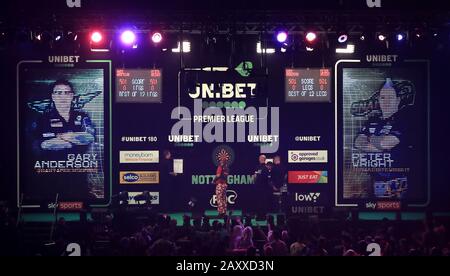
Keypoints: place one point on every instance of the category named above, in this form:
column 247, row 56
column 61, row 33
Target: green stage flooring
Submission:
column 407, row 216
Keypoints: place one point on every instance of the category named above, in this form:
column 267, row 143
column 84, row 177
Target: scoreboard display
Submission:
column 307, row 85
column 139, row 85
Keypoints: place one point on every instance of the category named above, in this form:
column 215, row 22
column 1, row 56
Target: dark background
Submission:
column 301, row 119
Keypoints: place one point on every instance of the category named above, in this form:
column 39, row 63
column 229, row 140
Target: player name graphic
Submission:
column 187, row 130
column 372, row 160
column 74, row 161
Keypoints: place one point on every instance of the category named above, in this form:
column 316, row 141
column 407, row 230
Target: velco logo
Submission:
column 231, row 198
column 146, row 177
column 131, row 177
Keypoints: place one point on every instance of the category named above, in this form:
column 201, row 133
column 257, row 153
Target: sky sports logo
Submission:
column 150, row 156
column 146, row 177
column 384, row 205
column 307, row 177
column 308, row 156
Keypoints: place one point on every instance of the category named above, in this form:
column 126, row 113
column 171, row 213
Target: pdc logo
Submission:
column 231, row 199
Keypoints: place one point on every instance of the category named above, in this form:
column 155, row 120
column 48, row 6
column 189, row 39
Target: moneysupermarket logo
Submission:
column 308, row 156
column 150, row 156
column 231, row 179
column 145, row 177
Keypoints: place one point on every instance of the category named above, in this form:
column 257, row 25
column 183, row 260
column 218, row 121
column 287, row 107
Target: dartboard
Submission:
column 223, row 153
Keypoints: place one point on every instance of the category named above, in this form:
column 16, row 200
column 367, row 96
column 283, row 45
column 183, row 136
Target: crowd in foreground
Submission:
column 159, row 235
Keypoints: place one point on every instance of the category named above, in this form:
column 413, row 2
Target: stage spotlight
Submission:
column 3, row 36
column 71, row 36
column 311, row 37
column 282, row 36
column 58, row 36
column 96, row 37
column 400, row 37
column 128, row 37
column 381, row 37
column 342, row 38
column 98, row 42
column 157, row 37
column 43, row 36
column 362, row 37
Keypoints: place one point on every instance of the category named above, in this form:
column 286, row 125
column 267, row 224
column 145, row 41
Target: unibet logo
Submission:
column 311, row 197
column 231, row 198
column 244, row 68
column 131, row 177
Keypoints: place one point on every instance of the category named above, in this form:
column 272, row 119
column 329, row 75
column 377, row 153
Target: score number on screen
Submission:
column 307, row 85
column 138, row 86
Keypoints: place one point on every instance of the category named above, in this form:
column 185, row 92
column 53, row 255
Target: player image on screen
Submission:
column 64, row 147
column 384, row 133
column 380, row 133
column 62, row 127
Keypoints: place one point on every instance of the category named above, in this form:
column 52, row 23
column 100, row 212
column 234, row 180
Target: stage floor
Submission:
column 178, row 216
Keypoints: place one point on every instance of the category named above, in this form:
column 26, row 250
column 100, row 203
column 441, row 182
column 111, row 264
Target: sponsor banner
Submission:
column 231, row 179
column 307, row 177
column 306, row 197
column 150, row 156
column 70, row 206
column 384, row 205
column 137, row 198
column 143, row 177
column 308, row 210
column 231, row 199
column 308, row 156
